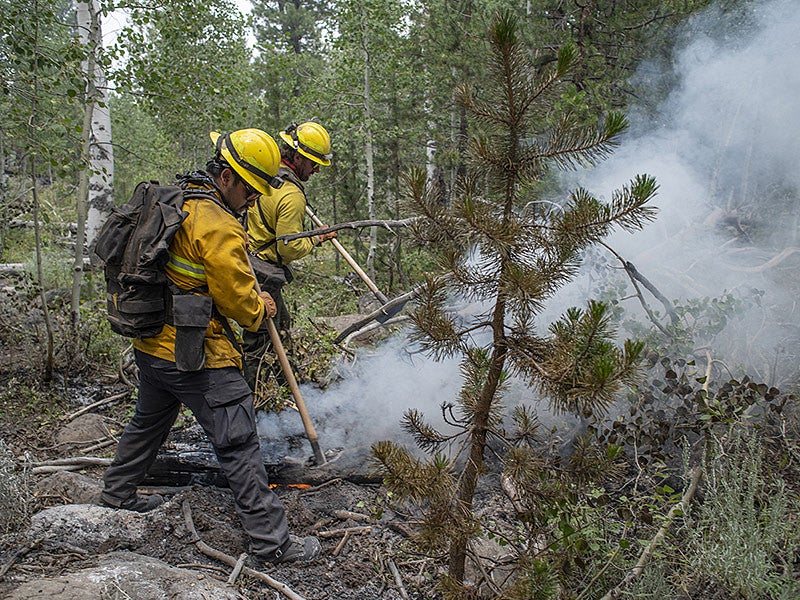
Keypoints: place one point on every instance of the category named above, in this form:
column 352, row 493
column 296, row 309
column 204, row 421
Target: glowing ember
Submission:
column 297, row 486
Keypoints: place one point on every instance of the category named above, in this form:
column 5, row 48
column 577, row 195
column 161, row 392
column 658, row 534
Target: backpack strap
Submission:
column 269, row 229
column 285, row 173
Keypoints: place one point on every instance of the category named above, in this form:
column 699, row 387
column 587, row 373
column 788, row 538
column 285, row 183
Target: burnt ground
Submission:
column 357, row 571
column 32, row 426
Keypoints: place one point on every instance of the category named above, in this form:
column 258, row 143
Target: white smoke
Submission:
column 727, row 137
column 723, row 148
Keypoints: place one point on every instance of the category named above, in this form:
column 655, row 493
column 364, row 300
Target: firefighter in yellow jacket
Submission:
column 304, row 149
column 194, row 361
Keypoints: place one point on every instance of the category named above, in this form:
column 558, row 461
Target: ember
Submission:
column 296, row 486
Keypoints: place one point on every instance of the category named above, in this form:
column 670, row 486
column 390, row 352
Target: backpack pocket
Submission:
column 191, row 316
column 134, row 311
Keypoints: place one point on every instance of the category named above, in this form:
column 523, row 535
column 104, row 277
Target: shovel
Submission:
column 386, row 313
column 311, row 433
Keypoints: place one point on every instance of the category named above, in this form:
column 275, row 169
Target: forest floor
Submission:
column 365, row 553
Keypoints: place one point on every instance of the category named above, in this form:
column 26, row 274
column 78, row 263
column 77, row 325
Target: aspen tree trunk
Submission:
column 95, row 197
column 4, row 216
column 100, row 200
column 373, row 232
column 430, row 144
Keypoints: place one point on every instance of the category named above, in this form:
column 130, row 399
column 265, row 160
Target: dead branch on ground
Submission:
column 398, row 579
column 695, row 475
column 341, row 544
column 346, row 514
column 383, row 310
column 68, row 464
column 772, row 262
column 344, row 531
column 237, row 569
column 370, row 328
column 19, row 554
column 231, row 561
column 93, row 405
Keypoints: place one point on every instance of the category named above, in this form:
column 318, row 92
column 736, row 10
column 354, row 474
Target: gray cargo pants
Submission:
column 222, row 403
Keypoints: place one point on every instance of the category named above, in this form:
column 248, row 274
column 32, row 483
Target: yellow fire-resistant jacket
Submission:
column 284, row 212
column 210, row 249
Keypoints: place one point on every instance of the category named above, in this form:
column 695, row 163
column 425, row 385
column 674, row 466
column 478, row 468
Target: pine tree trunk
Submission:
column 480, row 427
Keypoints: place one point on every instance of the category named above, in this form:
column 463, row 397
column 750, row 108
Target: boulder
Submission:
column 127, row 575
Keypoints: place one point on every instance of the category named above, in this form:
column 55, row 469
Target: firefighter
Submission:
column 304, row 149
column 208, row 257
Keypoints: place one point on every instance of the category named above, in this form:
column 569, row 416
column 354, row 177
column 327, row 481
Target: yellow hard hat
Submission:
column 311, row 140
column 253, row 155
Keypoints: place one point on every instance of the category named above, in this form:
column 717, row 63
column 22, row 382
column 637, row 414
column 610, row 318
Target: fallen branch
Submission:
column 237, row 569
column 772, row 262
column 108, row 442
column 680, row 508
column 400, row 528
column 397, row 578
column 229, row 560
column 46, row 470
column 372, row 327
column 75, row 461
column 346, row 514
column 89, row 407
column 19, row 554
column 383, row 310
column 341, row 544
column 344, row 531
column 350, row 225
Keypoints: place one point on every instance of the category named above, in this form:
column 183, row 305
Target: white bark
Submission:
column 100, row 199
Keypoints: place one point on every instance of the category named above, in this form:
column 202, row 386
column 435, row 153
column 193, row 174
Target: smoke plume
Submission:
column 723, row 146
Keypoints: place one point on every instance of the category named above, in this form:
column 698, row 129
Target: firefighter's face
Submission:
column 238, row 193
column 304, row 167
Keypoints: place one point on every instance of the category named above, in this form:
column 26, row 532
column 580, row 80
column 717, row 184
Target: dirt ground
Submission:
column 361, row 539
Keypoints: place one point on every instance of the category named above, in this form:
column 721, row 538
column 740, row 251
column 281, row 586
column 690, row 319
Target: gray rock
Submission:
column 87, row 526
column 85, row 429
column 74, row 487
column 127, row 575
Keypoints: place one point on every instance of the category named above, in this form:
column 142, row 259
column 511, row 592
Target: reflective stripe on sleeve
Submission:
column 186, row 267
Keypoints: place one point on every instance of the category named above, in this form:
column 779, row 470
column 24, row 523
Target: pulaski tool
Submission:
column 311, row 433
column 387, row 312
